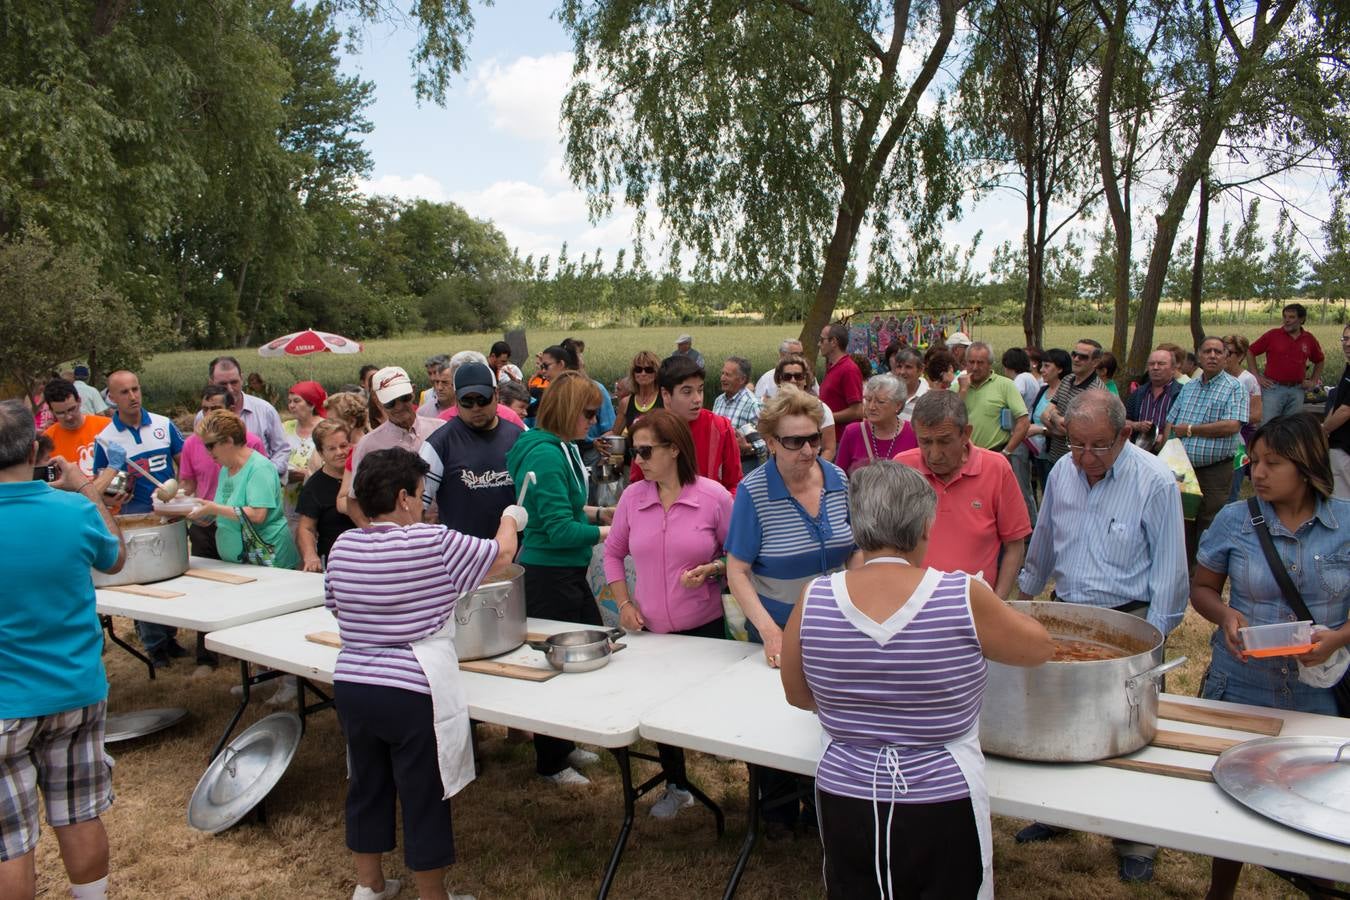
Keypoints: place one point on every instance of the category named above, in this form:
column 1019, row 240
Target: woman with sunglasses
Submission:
column 673, row 524
column 796, row 371
column 562, row 531
column 646, row 395
column 789, row 525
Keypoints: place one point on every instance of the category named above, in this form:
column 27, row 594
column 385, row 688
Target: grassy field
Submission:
column 172, row 379
column 516, row 837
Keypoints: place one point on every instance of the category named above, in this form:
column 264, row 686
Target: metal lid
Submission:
column 1302, row 782
column 244, row 773
column 130, row 725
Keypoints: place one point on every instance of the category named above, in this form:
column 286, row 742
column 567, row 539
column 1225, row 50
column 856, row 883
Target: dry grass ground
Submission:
column 516, row 837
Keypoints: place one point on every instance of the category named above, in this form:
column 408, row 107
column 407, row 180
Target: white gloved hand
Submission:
column 518, row 513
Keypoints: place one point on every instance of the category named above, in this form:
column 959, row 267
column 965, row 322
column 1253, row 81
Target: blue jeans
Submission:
column 1272, row 682
column 1280, row 400
column 155, row 636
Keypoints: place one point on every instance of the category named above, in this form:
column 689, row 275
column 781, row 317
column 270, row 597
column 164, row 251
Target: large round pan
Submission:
column 579, row 651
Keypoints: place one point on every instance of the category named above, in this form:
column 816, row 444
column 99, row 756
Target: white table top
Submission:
column 743, row 714
column 601, row 707
column 210, row 605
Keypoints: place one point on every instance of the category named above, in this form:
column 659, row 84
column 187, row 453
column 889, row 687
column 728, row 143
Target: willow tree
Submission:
column 765, row 132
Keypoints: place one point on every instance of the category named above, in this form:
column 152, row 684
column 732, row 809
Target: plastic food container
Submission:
column 1281, row 639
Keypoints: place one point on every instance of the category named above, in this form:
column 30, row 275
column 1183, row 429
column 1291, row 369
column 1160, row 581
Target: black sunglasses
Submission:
column 797, row 441
column 645, row 452
column 473, row 401
column 645, row 370
column 794, row 376
column 397, row 400
column 209, row 444
column 591, row 413
column 1078, row 355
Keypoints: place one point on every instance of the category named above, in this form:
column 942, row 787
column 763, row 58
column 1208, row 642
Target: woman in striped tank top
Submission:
column 891, row 658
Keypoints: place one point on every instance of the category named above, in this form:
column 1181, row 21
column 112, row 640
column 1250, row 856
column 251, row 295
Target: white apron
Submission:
column 970, row 760
column 449, row 707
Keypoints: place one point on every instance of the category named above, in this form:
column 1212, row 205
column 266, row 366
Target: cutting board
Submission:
column 222, row 577
column 1156, row 768
column 141, row 590
column 1194, row 743
column 1185, row 712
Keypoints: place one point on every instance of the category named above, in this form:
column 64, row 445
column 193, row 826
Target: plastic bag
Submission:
column 1174, row 455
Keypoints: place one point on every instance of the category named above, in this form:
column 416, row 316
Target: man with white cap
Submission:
column 956, row 345
column 684, row 346
column 402, row 427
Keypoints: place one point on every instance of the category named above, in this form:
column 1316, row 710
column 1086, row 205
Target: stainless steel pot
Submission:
column 491, row 620
column 1077, row 711
column 156, row 551
column 579, row 651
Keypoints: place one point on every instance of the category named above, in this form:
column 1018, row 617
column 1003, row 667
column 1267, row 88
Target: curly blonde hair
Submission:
column 789, row 401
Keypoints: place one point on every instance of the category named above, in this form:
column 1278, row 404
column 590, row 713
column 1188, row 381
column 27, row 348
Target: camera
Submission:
column 45, row 473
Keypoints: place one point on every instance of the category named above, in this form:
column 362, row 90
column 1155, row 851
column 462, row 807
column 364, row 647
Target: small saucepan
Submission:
column 579, row 651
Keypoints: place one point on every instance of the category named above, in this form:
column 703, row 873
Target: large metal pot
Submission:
column 1077, row 711
column 157, row 550
column 491, row 620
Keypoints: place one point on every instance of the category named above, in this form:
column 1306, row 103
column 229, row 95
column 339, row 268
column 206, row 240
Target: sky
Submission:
column 495, row 147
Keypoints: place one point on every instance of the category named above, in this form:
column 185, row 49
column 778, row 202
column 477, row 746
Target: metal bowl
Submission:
column 131, row 725
column 244, row 773
column 579, row 651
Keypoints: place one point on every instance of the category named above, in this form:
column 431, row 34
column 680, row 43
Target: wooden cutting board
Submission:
column 327, row 638
column 1156, row 768
column 508, row 670
column 141, row 590
column 222, row 577
column 1196, row 715
column 1194, row 743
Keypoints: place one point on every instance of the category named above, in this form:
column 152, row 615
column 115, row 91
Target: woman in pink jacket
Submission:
column 673, row 523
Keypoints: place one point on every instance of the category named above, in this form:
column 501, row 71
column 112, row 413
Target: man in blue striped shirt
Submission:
column 1110, row 535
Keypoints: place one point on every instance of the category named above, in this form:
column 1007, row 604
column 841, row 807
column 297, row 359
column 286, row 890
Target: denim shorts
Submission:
column 1271, row 682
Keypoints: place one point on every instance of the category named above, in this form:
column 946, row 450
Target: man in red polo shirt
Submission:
column 980, row 510
column 1288, row 350
column 842, row 388
column 718, row 455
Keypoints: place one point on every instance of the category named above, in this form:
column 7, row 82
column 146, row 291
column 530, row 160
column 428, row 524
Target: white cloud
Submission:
column 525, row 94
column 525, row 204
column 405, row 187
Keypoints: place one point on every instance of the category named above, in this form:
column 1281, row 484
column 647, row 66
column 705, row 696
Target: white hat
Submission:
column 390, row 383
column 959, row 339
column 684, row 339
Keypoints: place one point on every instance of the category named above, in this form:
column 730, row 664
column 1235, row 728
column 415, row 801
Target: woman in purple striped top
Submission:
column 891, row 658
column 393, row 586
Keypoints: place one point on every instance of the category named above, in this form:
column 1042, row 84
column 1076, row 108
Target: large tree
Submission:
column 766, row 132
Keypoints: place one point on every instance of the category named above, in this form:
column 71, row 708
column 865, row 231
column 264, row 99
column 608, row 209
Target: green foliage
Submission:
column 1331, row 273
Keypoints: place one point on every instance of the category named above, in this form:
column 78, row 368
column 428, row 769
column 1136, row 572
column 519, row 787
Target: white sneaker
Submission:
column 391, row 886
column 671, row 801
column 567, row 777
column 580, row 759
column 285, row 695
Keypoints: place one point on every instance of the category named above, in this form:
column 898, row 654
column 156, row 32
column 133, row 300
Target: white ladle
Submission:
column 164, row 490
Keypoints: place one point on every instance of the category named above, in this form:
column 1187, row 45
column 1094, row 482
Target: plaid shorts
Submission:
column 63, row 755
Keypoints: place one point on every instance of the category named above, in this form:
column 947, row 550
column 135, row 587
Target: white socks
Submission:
column 94, row 890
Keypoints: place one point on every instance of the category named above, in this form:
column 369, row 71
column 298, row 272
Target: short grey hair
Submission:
column 886, row 383
column 939, row 406
column 1093, row 405
column 909, row 354
column 982, row 345
column 741, row 363
column 890, row 504
column 786, row 345
column 17, row 432
column 439, row 361
column 463, row 357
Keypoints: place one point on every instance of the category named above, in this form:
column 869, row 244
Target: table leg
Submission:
column 708, row 802
column 247, row 681
column 629, row 804
column 112, row 636
column 751, row 833
column 305, row 711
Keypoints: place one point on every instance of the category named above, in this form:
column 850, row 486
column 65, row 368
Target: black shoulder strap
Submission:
column 1291, row 595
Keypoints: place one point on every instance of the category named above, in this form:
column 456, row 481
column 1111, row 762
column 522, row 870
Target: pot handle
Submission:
column 1341, row 751
column 541, row 646
column 469, row 615
column 152, row 544
column 616, row 634
column 1152, row 677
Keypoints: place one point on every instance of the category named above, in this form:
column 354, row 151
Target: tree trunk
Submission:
column 1115, row 204
column 1198, row 266
column 831, row 277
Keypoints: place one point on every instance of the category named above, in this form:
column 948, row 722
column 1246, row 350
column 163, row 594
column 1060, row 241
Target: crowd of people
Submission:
column 866, row 526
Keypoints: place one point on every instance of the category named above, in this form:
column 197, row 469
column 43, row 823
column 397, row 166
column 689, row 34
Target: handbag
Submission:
column 256, row 551
column 1341, row 691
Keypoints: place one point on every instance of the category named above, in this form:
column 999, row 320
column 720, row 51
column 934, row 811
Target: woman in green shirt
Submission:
column 248, row 509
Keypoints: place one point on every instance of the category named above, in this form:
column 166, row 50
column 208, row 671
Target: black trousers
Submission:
column 391, row 747
column 562, row 593
column 672, row 758
column 934, row 849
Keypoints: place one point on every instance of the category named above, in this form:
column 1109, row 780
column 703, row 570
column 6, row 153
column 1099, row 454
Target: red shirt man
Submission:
column 718, row 456
column 842, row 388
column 980, row 510
column 1288, row 350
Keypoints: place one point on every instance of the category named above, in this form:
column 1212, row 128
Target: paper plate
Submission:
column 130, row 725
column 1302, row 782
column 244, row 773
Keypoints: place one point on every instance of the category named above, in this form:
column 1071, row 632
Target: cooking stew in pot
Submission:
column 1069, row 650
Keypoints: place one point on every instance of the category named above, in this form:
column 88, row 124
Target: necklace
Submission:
column 874, row 442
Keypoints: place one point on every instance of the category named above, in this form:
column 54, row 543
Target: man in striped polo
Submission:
column 1109, row 535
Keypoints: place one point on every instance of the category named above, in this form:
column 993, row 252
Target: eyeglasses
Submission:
column 794, row 376
column 473, row 401
column 209, row 445
column 644, row 370
column 406, row 398
column 797, row 441
column 645, row 451
column 1081, row 449
column 590, row 413
column 1078, row 355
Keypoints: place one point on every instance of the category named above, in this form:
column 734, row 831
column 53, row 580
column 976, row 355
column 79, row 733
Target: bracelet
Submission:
column 625, row 603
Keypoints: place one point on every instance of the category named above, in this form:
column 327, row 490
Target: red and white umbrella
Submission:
column 302, row 343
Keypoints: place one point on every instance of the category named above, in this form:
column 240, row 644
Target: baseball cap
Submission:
column 81, row 372
column 474, row 378
column 959, row 339
column 684, row 339
column 390, row 383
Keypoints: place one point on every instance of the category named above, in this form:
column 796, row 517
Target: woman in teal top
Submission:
column 248, row 487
